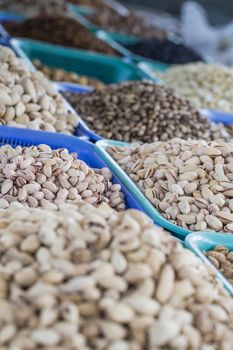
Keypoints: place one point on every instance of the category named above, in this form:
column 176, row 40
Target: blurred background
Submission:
column 219, row 11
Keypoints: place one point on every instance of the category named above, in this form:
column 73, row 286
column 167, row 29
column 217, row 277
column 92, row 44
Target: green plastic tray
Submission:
column 105, row 68
column 151, row 211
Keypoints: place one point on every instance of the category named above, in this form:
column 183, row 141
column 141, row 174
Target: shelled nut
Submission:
column 58, row 74
column 205, row 85
column 61, row 286
column 29, row 100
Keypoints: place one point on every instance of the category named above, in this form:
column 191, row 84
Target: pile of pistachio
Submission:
column 189, row 182
column 92, row 278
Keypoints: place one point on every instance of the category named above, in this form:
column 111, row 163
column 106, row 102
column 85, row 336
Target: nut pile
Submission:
column 39, row 176
column 58, row 74
column 96, row 279
column 32, row 8
column 189, row 182
column 96, row 4
column 62, row 30
column 29, row 100
column 164, row 50
column 205, row 85
column 222, row 259
column 142, row 111
column 131, row 24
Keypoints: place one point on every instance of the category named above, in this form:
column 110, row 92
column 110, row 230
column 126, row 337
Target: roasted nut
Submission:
column 142, row 111
column 28, row 97
column 70, row 283
column 57, row 74
column 176, row 177
column 44, row 177
column 204, row 85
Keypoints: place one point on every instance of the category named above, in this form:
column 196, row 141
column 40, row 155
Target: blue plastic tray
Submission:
column 11, row 16
column 102, row 145
column 86, row 151
column 201, row 242
column 73, row 88
column 218, row 117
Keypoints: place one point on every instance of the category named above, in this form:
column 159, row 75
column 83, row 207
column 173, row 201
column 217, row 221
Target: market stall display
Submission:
column 58, row 74
column 106, row 280
column 222, row 259
column 188, row 182
column 29, row 100
column 205, row 85
column 81, row 264
column 152, row 112
column 35, row 7
column 63, row 30
column 131, row 23
column 164, row 50
column 40, row 176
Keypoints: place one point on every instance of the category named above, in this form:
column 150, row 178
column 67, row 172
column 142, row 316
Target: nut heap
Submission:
column 32, row 8
column 39, row 176
column 222, row 258
column 131, row 24
column 96, row 4
column 205, row 85
column 57, row 74
column 97, row 279
column 142, row 111
column 62, row 30
column 189, row 182
column 29, row 100
column 164, row 50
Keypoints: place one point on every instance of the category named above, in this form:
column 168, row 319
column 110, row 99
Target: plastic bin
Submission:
column 201, row 242
column 105, row 68
column 86, row 151
column 11, row 16
column 155, row 215
column 218, row 117
column 81, row 10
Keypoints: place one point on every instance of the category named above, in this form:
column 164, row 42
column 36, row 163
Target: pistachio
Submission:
column 42, row 179
column 195, row 197
column 93, row 278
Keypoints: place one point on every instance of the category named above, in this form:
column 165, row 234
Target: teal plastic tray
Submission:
column 105, row 68
column 81, row 10
column 201, row 242
column 102, row 145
